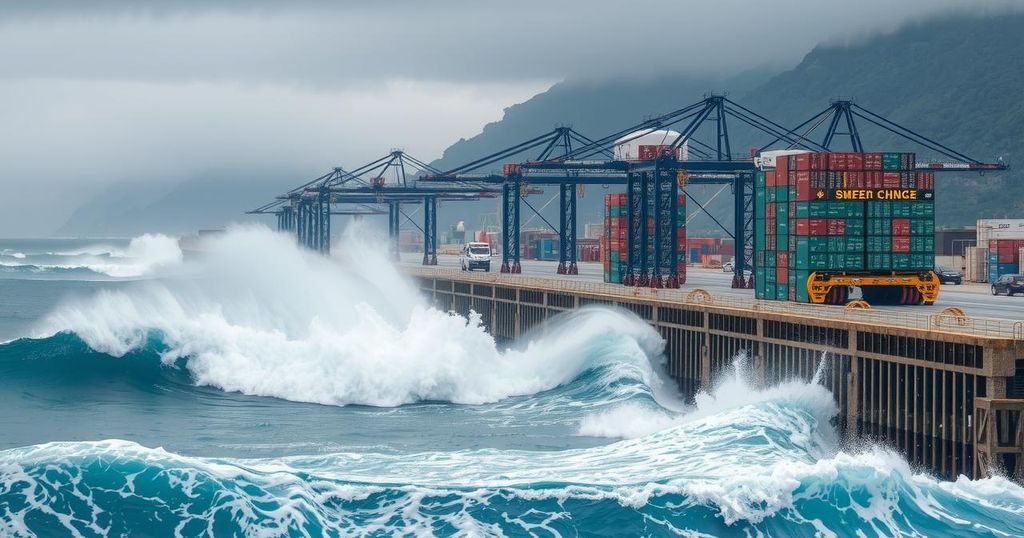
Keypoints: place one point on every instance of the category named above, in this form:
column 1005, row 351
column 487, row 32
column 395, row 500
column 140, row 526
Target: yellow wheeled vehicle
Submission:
column 890, row 289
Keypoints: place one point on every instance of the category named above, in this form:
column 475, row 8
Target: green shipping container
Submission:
column 856, row 244
column 901, row 262
column 782, row 213
column 801, row 287
column 817, row 210
column 879, row 243
column 879, row 210
column 802, row 209
column 782, row 291
column 890, row 161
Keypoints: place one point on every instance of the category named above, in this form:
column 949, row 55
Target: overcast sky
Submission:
column 96, row 92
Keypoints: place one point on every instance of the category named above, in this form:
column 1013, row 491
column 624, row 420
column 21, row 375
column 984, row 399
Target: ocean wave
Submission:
column 262, row 317
column 142, row 256
column 760, row 469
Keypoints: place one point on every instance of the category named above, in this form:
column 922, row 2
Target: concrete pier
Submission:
column 946, row 391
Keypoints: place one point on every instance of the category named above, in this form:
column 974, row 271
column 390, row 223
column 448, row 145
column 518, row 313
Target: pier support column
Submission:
column 510, row 224
column 430, row 230
column 323, row 214
column 664, row 264
column 637, row 202
column 394, row 229
column 567, row 230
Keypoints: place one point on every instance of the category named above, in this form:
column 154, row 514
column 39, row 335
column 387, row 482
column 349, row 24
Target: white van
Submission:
column 475, row 256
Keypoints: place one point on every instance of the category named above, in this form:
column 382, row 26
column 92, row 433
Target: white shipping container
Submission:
column 627, row 148
column 976, row 264
column 766, row 159
column 999, row 229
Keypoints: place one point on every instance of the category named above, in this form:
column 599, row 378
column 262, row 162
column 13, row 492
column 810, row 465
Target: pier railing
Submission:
column 907, row 317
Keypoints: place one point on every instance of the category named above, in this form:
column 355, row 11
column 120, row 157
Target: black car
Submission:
column 1008, row 284
column 948, row 275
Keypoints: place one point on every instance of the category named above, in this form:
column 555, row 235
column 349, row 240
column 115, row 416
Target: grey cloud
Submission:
column 360, row 43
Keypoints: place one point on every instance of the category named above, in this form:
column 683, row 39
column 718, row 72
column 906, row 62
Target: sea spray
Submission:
column 756, row 466
column 260, row 316
column 142, row 256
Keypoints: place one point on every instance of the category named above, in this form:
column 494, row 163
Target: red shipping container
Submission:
column 836, row 226
column 782, row 166
column 769, row 242
column 817, row 226
column 782, row 274
column 769, row 178
column 890, row 180
column 901, row 244
column 900, row 227
column 855, row 161
column 802, row 227
column 803, row 186
column 845, row 161
column 782, row 259
column 855, row 180
column 819, row 161
column 993, row 245
column 872, row 161
column 803, row 161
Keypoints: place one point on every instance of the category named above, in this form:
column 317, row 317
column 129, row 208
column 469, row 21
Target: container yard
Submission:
column 827, row 222
column 810, row 225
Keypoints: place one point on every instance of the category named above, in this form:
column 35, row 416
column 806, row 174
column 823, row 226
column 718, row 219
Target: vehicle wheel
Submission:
column 994, row 291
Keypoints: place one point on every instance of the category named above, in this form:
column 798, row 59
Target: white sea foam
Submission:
column 142, row 256
column 260, row 316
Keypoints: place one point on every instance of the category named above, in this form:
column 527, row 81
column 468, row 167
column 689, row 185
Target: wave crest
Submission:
column 262, row 317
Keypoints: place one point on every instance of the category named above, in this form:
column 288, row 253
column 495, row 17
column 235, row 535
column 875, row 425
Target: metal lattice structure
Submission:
column 567, row 159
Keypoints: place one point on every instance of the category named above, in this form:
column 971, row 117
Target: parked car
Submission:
column 727, row 267
column 948, row 275
column 1008, row 284
column 475, row 256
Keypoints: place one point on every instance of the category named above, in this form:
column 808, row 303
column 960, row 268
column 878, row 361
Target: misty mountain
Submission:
column 206, row 201
column 956, row 80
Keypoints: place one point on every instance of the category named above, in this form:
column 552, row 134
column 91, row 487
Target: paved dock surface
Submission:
column 975, row 299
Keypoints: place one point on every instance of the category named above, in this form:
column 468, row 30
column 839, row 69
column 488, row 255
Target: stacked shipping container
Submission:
column 1003, row 257
column 867, row 213
column 615, row 243
column 614, row 250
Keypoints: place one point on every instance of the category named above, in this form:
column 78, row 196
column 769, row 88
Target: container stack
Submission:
column 1004, row 257
column 840, row 213
column 615, row 243
column 613, row 250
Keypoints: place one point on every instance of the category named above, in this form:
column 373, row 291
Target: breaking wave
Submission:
column 261, row 317
column 142, row 256
column 762, row 465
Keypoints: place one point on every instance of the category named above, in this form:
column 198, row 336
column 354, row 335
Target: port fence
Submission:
column 950, row 321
